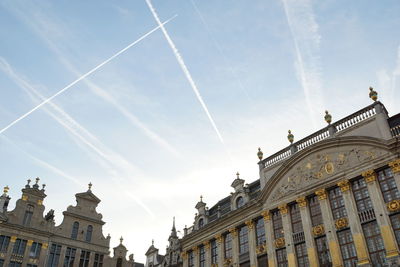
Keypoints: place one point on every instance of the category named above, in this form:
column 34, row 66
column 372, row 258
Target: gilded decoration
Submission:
column 24, row 197
column 341, row 223
column 29, row 243
column 323, row 165
column 40, row 202
column 206, row 244
column 184, row 255
column 266, row 215
column 318, row 230
column 302, row 202
column 344, row 185
column 227, row 262
column 214, row 265
column 369, row 176
column 233, row 232
column 321, row 193
column 395, row 165
column 279, row 242
column 260, row 249
column 219, row 238
column 250, row 224
column 393, row 205
column 283, row 209
column 45, row 245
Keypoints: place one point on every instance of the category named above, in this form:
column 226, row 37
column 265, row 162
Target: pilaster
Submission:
column 269, row 238
column 196, row 256
column 235, row 246
column 77, row 257
column 62, row 256
column 43, row 254
column 287, row 230
column 26, row 252
column 10, row 248
column 307, row 226
column 329, row 228
column 382, row 217
column 252, row 244
column 91, row 258
column 395, row 166
column 355, row 225
column 184, row 256
column 207, row 250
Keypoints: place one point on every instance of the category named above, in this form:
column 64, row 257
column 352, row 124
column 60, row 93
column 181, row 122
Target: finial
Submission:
column 29, row 181
column 43, row 186
column 152, row 242
column 373, row 94
column 237, row 175
column 201, row 200
column 6, row 188
column 260, row 154
column 120, row 240
column 90, row 186
column 37, row 180
column 328, row 117
column 290, row 137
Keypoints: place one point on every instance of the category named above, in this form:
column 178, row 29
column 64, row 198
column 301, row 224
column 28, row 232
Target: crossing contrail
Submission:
column 161, row 25
column 185, row 69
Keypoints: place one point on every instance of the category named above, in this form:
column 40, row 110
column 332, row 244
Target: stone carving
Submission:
column 393, row 205
column 322, row 165
column 318, row 230
column 341, row 223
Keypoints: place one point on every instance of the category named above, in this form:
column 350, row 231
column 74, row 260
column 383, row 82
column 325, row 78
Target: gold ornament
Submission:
column 318, row 230
column 341, row 223
column 279, row 242
column 344, row 185
column 321, row 193
column 393, row 205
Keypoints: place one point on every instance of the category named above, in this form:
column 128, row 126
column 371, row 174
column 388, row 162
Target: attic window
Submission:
column 201, row 223
column 239, row 202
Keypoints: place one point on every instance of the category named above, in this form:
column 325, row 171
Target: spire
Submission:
column 173, row 230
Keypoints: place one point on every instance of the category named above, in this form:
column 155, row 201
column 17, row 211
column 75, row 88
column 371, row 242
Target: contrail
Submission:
column 85, row 75
column 185, row 70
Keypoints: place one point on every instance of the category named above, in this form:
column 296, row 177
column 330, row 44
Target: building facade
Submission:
column 29, row 238
column 330, row 199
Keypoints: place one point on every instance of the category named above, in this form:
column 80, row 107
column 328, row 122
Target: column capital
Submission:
column 195, row 249
column 266, row 215
column 45, row 245
column 344, row 185
column 219, row 238
column 369, row 176
column 13, row 239
column 29, row 243
column 283, row 209
column 301, row 201
column 321, row 193
column 206, row 244
column 233, row 232
column 250, row 224
column 395, row 165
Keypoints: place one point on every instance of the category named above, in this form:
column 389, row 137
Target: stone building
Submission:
column 330, row 199
column 29, row 238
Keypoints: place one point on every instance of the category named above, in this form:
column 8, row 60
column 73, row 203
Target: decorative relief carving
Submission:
column 260, row 249
column 321, row 194
column 283, row 209
column 393, row 205
column 344, row 185
column 369, row 176
column 395, row 165
column 341, row 223
column 45, row 245
column 219, row 238
column 227, row 262
column 266, row 215
column 233, row 232
column 206, row 244
column 279, row 242
column 29, row 243
column 318, row 230
column 13, row 239
column 302, row 202
column 184, row 255
column 321, row 166
column 250, row 224
column 24, row 197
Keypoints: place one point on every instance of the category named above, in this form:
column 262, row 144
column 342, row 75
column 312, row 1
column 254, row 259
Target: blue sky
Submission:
column 136, row 129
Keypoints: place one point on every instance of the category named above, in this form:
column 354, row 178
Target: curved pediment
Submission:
column 320, row 163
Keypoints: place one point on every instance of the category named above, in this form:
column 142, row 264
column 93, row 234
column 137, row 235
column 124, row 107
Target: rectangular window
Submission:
column 395, row 219
column 84, row 260
column 347, row 248
column 315, row 211
column 191, row 259
column 28, row 215
column 277, row 224
column 263, row 260
column 214, row 252
column 260, row 232
column 98, row 260
column 243, row 240
column 19, row 247
column 324, row 256
column 1, row 263
column 281, row 257
column 374, row 243
column 35, row 250
column 54, row 255
column 301, row 255
column 296, row 218
column 228, row 246
column 361, row 195
column 69, row 259
column 202, row 257
column 15, row 264
column 388, row 185
column 337, row 203
column 4, row 241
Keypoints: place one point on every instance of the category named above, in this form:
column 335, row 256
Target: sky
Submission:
column 177, row 114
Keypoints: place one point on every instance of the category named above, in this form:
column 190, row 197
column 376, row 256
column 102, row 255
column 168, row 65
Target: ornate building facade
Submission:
column 330, row 199
column 29, row 238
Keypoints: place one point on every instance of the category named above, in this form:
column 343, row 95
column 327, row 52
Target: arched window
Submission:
column 239, row 202
column 89, row 232
column 119, row 262
column 75, row 229
column 28, row 215
column 201, row 223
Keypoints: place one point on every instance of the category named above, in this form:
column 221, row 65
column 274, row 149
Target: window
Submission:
column 28, row 215
column 202, row 256
column 75, row 229
column 214, row 252
column 260, row 232
column 263, row 260
column 243, row 240
column 30, row 265
column 295, row 216
column 347, row 248
column 388, row 185
column 1, row 263
column 119, row 262
column 361, row 195
column 315, row 211
column 337, row 203
column 324, row 257
column 54, row 255
column 35, row 250
column 98, row 260
column 69, row 257
column 239, row 202
column 19, row 247
column 228, row 246
column 201, row 223
column 89, row 232
column 277, row 224
column 84, row 261
column 395, row 219
column 191, row 259
column 281, row 257
column 15, row 264
column 4, row 241
column 301, row 254
column 374, row 243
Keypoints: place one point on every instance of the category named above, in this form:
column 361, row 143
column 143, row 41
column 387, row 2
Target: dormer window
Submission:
column 89, row 232
column 201, row 223
column 239, row 202
column 28, row 215
column 75, row 229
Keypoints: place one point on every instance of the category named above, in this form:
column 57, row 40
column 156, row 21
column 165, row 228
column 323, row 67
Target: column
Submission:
column 207, row 250
column 252, row 243
column 43, row 254
column 330, row 229
column 381, row 214
column 395, row 165
column 26, row 252
column 77, row 257
column 184, row 257
column 355, row 225
column 10, row 249
column 91, row 258
column 235, row 246
column 196, row 256
column 269, row 237
column 287, row 230
column 62, row 256
column 220, row 244
column 307, row 226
